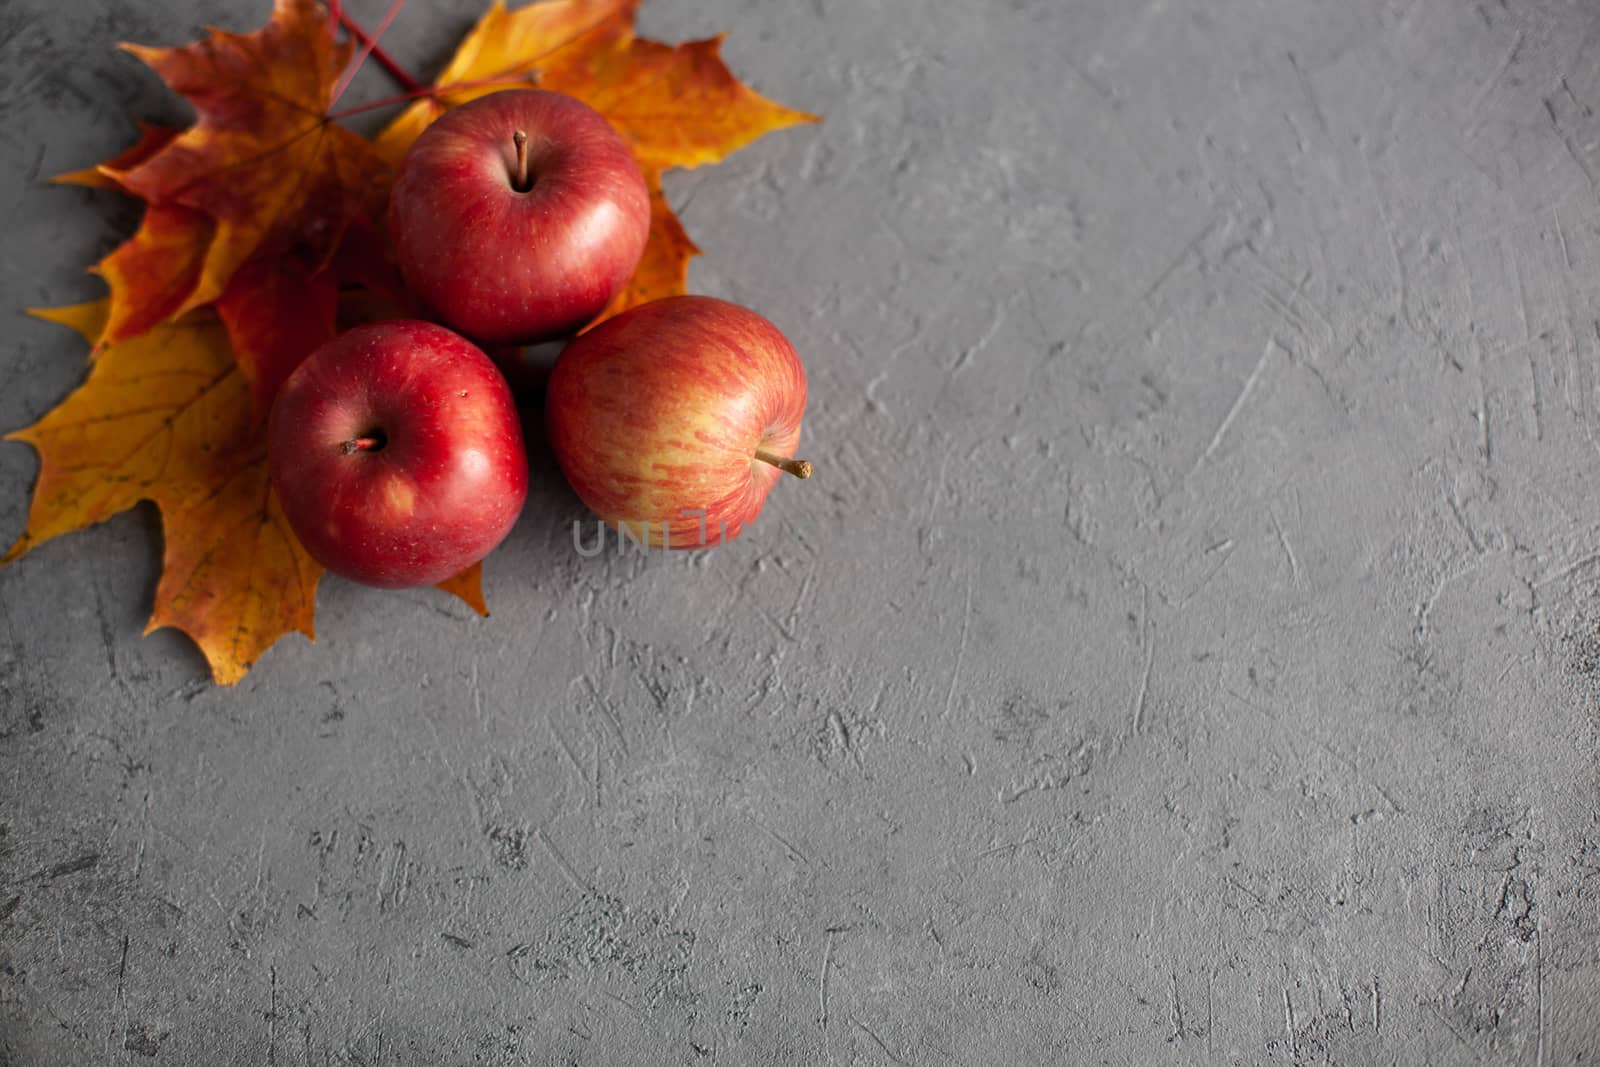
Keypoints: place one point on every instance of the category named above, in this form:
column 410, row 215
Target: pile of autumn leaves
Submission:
column 262, row 236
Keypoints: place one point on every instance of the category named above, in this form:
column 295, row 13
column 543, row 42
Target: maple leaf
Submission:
column 233, row 575
column 675, row 105
column 263, row 170
column 154, row 274
column 166, row 417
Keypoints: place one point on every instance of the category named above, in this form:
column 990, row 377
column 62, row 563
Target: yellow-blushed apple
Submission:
column 674, row 419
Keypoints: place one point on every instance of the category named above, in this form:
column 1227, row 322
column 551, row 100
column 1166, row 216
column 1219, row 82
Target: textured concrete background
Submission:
column 1186, row 653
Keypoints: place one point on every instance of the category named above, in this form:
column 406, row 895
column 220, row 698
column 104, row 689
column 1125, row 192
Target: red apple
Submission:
column 397, row 454
column 675, row 418
column 517, row 217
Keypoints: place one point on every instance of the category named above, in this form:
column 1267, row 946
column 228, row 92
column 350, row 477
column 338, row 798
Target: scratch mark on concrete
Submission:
column 1569, row 570
column 879, row 1042
column 637, row 1012
column 1146, row 638
column 1522, row 293
column 1450, row 1026
column 822, row 986
column 1288, row 1025
column 1561, row 235
column 1485, row 440
column 1222, row 548
column 605, row 709
column 108, row 641
column 780, row 839
column 1402, row 280
column 1311, row 94
column 144, row 834
column 122, row 967
column 961, row 649
column 1425, row 608
column 1288, row 549
column 1009, row 846
column 561, row 862
column 567, row 748
column 1461, row 521
column 1178, row 260
column 1538, row 986
column 1533, row 397
column 972, row 350
column 392, row 889
column 1572, row 148
column 1493, row 81
column 66, row 867
column 1238, row 404
column 272, row 1020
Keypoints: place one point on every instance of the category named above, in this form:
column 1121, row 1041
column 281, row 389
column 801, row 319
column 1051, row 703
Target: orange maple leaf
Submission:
column 677, row 106
column 262, row 172
column 154, row 274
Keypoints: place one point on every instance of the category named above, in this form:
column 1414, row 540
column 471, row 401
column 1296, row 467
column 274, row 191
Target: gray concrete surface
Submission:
column 1188, row 652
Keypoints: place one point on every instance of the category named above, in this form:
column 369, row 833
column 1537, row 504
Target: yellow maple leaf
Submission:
column 677, row 105
column 166, row 417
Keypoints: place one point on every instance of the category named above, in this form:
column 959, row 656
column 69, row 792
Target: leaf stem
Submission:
column 800, row 468
column 366, row 50
column 428, row 91
column 385, row 60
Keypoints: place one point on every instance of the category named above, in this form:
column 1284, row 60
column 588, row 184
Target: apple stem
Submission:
column 369, row 443
column 800, row 468
column 520, row 179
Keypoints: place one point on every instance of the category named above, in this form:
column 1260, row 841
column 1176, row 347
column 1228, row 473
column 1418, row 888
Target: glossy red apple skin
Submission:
column 657, row 414
column 449, row 479
column 509, row 267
